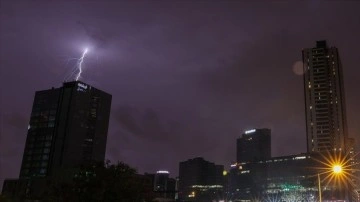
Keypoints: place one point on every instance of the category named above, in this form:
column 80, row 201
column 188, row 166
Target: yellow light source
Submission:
column 337, row 169
column 224, row 173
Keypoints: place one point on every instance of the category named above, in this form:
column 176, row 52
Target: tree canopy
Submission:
column 102, row 182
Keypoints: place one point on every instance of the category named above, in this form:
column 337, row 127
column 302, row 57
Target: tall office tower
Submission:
column 254, row 145
column 324, row 99
column 68, row 127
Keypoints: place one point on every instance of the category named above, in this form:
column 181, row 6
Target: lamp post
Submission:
column 336, row 169
column 319, row 188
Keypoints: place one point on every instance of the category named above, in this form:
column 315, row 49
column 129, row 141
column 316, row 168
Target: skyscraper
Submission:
column 254, row 145
column 324, row 99
column 68, row 128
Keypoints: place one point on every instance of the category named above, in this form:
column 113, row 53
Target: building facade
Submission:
column 200, row 180
column 164, row 188
column 283, row 178
column 254, row 145
column 324, row 99
column 68, row 128
column 161, row 179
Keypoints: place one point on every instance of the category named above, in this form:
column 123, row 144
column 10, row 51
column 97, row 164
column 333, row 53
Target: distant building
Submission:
column 161, row 180
column 200, row 180
column 68, row 128
column 274, row 176
column 324, row 99
column 164, row 187
column 254, row 145
column 284, row 178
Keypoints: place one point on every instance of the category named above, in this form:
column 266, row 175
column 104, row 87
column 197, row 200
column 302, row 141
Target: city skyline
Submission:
column 215, row 87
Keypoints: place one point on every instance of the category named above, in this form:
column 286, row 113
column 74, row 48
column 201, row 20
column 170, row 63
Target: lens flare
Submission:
column 337, row 168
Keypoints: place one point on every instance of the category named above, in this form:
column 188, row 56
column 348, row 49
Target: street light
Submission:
column 336, row 169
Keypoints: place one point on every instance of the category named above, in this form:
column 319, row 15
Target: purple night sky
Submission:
column 186, row 77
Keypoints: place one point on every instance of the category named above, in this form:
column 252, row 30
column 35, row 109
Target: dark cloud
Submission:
column 148, row 125
column 16, row 120
column 125, row 116
column 232, row 76
column 144, row 124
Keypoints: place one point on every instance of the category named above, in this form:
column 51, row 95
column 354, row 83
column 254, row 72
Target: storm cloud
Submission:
column 186, row 77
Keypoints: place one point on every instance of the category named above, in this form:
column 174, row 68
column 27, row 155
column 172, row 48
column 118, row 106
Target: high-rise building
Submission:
column 254, row 145
column 68, row 128
column 200, row 180
column 324, row 99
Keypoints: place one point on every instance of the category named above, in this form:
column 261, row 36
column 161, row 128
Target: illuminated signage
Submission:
column 250, row 131
column 162, row 172
column 233, row 165
column 207, row 186
column 82, row 86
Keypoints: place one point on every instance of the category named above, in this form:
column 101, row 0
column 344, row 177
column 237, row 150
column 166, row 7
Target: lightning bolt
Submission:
column 80, row 62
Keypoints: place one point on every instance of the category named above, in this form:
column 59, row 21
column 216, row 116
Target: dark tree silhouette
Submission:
column 102, row 182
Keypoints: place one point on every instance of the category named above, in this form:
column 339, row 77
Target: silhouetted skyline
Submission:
column 187, row 78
